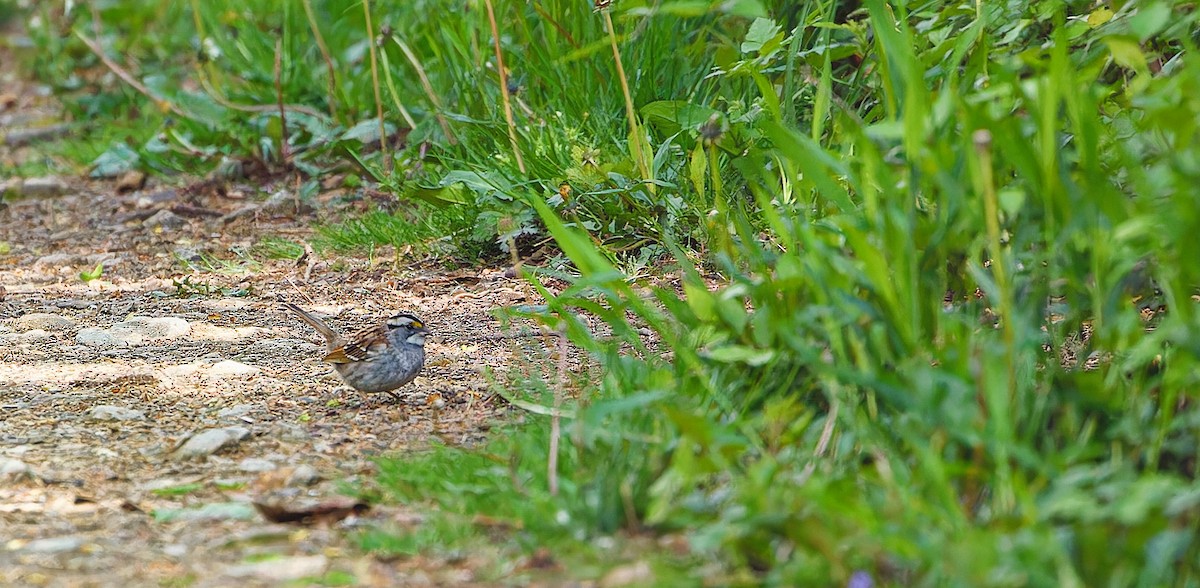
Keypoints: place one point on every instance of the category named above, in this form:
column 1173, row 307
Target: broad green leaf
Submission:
column 1099, row 16
column 577, row 245
column 1151, row 17
column 672, row 116
column 702, row 302
column 762, row 31
column 118, row 159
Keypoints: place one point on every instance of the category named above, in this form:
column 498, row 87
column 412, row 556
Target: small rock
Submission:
column 289, row 346
column 235, row 411
column 256, row 465
column 176, row 550
column 183, row 370
column 166, row 327
column 211, row 441
column 150, row 200
column 44, row 321
column 130, row 181
column 303, row 475
column 95, row 337
column 639, row 574
column 232, row 369
column 34, row 335
column 47, row 186
column 275, row 571
column 105, row 412
column 292, row 433
column 187, row 253
column 21, row 137
column 14, row 469
column 134, row 331
column 56, row 260
column 164, row 220
column 53, row 545
column 217, row 511
column 285, row 203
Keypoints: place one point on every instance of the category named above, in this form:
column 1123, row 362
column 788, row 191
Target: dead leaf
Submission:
column 131, row 181
column 321, row 513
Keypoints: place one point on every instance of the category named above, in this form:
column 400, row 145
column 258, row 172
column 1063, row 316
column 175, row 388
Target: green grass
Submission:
column 891, row 223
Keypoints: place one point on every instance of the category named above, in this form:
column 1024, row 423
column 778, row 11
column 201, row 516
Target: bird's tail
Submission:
column 317, row 323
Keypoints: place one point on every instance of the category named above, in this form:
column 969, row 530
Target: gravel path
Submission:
column 144, row 413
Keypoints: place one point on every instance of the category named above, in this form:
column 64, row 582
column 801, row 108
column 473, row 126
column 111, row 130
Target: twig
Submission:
column 203, row 77
column 324, row 49
column 630, row 113
column 822, row 444
column 383, row 136
column 283, row 132
column 391, row 86
column 508, row 116
column 129, row 79
column 537, row 6
column 555, row 429
column 437, row 104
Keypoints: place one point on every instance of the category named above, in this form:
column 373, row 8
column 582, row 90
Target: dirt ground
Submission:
column 111, row 389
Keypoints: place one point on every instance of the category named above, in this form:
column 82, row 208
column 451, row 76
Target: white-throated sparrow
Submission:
column 381, row 358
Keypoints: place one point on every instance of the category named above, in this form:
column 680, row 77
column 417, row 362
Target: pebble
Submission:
column 176, row 550
column 165, row 220
column 211, row 441
column 33, row 335
column 105, row 412
column 285, row 203
column 56, row 260
column 256, row 465
column 95, row 337
column 166, row 327
column 46, row 186
column 44, row 321
column 281, row 570
column 53, row 545
column 14, row 469
column 303, row 475
column 21, row 137
column 235, row 411
column 232, row 369
column 134, row 331
column 639, row 574
column 130, row 181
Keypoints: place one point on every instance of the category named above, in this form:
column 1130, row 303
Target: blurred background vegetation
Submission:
column 929, row 308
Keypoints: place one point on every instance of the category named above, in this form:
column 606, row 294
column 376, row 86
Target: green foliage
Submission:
column 893, row 223
column 871, row 372
column 211, row 88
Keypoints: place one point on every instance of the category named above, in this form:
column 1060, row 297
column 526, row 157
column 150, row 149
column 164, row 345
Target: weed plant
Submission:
column 936, row 313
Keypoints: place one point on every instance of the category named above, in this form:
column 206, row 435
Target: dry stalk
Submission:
column 383, row 136
column 324, row 49
column 284, row 152
column 437, row 104
column 504, row 97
